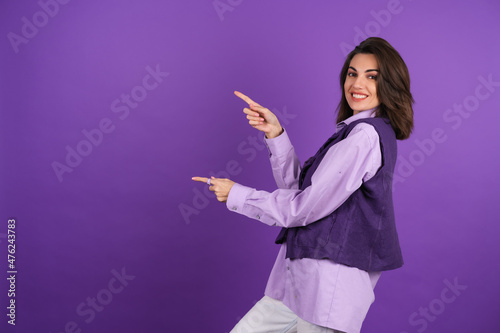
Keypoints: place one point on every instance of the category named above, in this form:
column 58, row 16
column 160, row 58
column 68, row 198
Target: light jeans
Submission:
column 272, row 316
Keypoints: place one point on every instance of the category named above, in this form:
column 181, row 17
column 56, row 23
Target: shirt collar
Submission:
column 361, row 115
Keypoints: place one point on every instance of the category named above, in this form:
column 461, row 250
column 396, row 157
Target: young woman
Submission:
column 336, row 211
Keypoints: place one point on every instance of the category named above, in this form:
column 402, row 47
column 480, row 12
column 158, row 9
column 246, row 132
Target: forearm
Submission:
column 284, row 207
column 284, row 162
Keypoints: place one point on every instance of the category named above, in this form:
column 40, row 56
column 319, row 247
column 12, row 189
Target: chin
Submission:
column 357, row 109
column 362, row 108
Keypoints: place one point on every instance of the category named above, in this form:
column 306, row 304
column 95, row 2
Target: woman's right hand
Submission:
column 261, row 118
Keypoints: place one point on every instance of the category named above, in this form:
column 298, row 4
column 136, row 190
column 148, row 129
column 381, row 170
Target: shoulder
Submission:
column 365, row 132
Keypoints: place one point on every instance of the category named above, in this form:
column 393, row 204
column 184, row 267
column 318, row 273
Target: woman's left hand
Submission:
column 220, row 186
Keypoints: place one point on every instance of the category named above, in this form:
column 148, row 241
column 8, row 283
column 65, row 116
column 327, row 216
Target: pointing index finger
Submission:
column 245, row 98
column 200, row 179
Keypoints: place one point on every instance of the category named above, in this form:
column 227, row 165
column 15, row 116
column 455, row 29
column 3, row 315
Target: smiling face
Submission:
column 360, row 84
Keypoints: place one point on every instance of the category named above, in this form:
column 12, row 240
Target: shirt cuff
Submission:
column 237, row 197
column 279, row 145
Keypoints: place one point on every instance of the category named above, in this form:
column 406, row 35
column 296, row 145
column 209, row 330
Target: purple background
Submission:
column 120, row 208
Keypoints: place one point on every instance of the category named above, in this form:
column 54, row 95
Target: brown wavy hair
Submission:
column 393, row 86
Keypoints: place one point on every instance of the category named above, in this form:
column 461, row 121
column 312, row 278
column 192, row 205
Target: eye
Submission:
column 372, row 77
column 351, row 74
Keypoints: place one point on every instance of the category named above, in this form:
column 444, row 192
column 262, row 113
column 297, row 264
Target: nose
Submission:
column 359, row 83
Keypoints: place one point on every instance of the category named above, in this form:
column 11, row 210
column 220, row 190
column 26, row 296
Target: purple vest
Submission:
column 362, row 231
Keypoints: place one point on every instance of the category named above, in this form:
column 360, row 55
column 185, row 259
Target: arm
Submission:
column 341, row 172
column 284, row 162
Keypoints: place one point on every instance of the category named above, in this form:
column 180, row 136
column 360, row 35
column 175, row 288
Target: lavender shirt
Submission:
column 319, row 291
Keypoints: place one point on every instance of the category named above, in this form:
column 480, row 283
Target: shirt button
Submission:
column 258, row 217
column 288, row 267
column 235, row 208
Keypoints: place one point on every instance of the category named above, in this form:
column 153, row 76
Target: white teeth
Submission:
column 359, row 96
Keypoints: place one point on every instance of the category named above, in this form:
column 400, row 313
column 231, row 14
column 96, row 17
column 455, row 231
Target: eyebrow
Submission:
column 368, row 70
